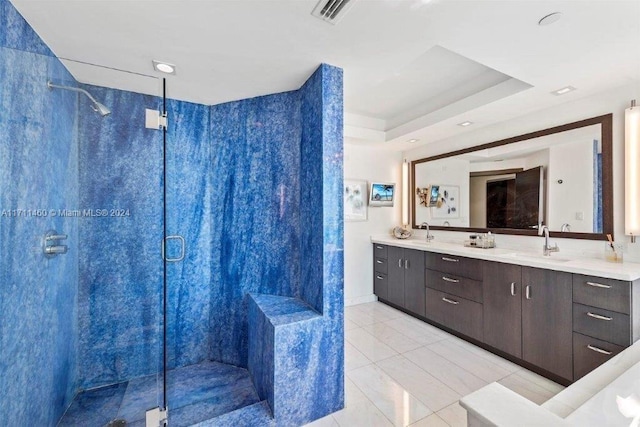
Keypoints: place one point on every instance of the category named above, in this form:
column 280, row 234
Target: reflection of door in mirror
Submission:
column 512, row 200
column 528, row 199
column 500, row 202
column 491, row 199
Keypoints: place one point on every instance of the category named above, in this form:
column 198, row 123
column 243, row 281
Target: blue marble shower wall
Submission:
column 254, row 186
column 38, row 172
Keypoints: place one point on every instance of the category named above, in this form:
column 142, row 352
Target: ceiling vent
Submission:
column 332, row 11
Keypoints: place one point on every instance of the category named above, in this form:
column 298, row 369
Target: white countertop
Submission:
column 593, row 392
column 618, row 404
column 558, row 262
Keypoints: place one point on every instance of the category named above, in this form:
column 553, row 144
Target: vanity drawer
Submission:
column 460, row 266
column 455, row 313
column 380, row 285
column 589, row 353
column 379, row 251
column 603, row 324
column 455, row 285
column 380, row 265
column 609, row 294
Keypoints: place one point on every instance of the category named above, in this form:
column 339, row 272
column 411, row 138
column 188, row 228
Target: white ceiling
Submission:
column 412, row 68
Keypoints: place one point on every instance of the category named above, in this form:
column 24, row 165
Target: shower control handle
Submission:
column 50, row 246
column 55, row 250
column 56, row 237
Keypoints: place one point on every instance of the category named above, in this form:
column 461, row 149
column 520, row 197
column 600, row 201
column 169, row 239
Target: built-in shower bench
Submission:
column 283, row 337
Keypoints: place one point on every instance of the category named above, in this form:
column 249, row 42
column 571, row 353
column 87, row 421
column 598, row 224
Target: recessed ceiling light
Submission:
column 465, row 124
column 164, row 67
column 550, row 18
column 412, row 140
column 564, row 90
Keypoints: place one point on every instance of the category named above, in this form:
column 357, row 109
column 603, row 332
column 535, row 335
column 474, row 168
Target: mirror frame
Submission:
column 606, row 137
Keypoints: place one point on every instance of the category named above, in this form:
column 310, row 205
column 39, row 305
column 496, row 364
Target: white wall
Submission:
column 361, row 162
column 614, row 101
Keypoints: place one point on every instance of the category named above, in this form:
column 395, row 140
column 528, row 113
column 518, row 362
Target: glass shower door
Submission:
column 120, row 267
column 81, row 226
column 191, row 378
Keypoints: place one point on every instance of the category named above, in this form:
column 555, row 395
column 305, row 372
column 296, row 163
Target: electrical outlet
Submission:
column 580, row 216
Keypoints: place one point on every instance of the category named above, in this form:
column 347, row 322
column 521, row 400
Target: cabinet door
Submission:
column 395, row 276
column 546, row 320
column 502, row 307
column 414, row 293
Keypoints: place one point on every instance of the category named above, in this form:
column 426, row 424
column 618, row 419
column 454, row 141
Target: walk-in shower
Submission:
column 95, row 105
column 238, row 321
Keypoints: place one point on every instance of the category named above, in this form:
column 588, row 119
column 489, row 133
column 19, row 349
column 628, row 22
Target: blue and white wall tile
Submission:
column 255, row 222
column 38, row 171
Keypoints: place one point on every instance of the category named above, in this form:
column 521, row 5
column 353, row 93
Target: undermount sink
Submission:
column 538, row 257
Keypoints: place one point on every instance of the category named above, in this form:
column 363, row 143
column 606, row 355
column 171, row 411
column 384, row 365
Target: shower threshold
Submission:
column 195, row 393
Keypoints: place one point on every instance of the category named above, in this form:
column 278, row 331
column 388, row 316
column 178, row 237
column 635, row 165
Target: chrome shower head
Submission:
column 95, row 105
column 100, row 109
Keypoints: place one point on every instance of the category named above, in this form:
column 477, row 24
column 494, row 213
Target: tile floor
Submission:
column 401, row 371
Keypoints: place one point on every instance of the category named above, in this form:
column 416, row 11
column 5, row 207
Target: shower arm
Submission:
column 95, row 103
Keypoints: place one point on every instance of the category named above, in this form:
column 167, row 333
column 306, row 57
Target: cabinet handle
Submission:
column 406, row 264
column 378, row 261
column 598, row 350
column 379, row 247
column 444, row 258
column 400, row 263
column 597, row 316
column 527, row 292
column 448, row 279
column 450, row 301
column 598, row 285
column 379, row 277
column 513, row 289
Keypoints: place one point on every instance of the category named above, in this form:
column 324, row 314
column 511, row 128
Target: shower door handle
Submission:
column 182, row 246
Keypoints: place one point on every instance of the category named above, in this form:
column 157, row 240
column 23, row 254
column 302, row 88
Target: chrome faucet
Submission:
column 565, row 227
column 429, row 236
column 547, row 249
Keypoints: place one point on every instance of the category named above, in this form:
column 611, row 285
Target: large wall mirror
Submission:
column 559, row 177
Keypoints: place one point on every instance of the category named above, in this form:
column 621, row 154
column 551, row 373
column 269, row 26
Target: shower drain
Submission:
column 117, row 423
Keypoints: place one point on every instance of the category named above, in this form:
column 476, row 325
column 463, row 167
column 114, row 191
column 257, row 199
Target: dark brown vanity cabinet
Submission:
column 546, row 320
column 404, row 279
column 380, row 263
column 603, row 320
column 502, row 288
column 527, row 313
column 454, row 293
column 565, row 324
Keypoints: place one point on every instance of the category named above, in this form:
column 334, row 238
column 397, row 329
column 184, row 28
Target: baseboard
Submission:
column 360, row 300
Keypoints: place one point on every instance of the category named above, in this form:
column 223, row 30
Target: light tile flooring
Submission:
column 404, row 372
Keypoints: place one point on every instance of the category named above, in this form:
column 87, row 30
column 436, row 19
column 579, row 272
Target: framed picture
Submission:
column 355, row 200
column 382, row 194
column 448, row 204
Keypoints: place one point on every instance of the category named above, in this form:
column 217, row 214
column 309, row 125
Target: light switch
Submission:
column 580, row 216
